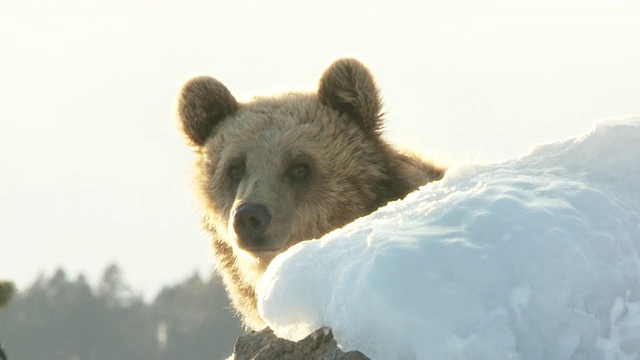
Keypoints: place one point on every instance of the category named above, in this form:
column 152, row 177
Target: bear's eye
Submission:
column 299, row 171
column 235, row 172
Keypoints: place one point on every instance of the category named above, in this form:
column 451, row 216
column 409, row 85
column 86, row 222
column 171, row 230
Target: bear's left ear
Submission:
column 348, row 86
column 204, row 102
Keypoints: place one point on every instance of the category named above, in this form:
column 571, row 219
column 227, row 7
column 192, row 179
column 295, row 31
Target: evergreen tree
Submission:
column 112, row 288
column 6, row 292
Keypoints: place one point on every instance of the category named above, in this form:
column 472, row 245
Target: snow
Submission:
column 533, row 258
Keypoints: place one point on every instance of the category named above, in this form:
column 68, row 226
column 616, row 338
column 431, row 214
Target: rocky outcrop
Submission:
column 265, row 345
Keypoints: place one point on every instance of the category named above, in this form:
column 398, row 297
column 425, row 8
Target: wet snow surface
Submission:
column 533, row 258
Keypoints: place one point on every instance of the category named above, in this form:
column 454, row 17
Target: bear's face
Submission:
column 279, row 170
column 283, row 170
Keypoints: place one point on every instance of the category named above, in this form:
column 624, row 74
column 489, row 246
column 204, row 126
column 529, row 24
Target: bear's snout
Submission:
column 250, row 221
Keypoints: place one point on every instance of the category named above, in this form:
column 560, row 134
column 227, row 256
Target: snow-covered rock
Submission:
column 533, row 258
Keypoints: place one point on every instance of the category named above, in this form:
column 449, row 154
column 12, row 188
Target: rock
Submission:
column 265, row 345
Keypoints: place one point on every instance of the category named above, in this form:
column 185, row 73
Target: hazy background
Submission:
column 93, row 169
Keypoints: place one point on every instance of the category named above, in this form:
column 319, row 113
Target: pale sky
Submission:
column 94, row 169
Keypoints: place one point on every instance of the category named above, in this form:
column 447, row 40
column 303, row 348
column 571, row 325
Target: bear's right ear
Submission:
column 204, row 102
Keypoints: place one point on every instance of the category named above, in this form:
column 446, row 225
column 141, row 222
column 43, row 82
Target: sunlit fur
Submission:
column 353, row 170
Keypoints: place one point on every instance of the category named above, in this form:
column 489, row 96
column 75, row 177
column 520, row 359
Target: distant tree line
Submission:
column 59, row 318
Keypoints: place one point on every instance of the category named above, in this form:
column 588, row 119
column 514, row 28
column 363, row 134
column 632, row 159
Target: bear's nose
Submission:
column 250, row 222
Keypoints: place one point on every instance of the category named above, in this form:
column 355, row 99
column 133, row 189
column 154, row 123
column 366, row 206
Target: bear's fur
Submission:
column 278, row 170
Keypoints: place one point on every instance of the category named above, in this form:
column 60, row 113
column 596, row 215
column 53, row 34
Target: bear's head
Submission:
column 278, row 170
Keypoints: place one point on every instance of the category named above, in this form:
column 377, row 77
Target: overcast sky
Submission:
column 94, row 170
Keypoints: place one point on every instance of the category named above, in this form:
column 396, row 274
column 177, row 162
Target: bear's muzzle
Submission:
column 250, row 222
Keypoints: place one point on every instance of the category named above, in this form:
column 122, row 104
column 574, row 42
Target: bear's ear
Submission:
column 348, row 86
column 204, row 102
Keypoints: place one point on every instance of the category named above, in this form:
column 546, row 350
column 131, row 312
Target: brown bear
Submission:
column 282, row 169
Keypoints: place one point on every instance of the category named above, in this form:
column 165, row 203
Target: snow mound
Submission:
column 534, row 258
